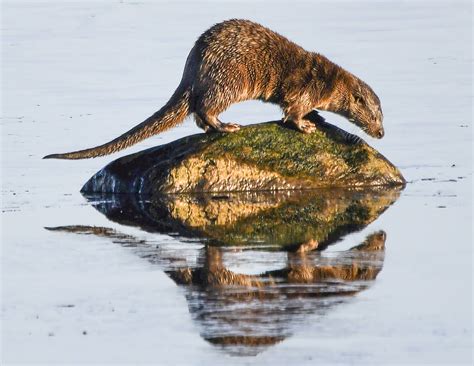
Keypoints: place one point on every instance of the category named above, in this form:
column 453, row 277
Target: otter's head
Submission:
column 362, row 107
column 339, row 91
column 347, row 95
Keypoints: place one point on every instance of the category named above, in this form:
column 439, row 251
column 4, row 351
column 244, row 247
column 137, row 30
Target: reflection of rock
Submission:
column 267, row 156
column 287, row 232
column 277, row 219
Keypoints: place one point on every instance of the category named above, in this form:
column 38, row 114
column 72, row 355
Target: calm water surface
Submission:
column 380, row 276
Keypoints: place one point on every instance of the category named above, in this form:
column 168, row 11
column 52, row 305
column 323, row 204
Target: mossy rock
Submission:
column 266, row 156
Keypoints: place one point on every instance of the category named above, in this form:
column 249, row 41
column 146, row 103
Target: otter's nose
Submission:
column 380, row 134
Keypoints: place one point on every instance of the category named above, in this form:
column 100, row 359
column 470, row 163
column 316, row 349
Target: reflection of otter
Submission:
column 214, row 273
column 237, row 310
column 243, row 313
column 285, row 232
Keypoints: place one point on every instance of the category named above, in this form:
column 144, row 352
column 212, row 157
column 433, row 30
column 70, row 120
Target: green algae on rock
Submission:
column 266, row 156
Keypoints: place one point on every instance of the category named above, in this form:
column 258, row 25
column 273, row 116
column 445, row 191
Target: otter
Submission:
column 239, row 60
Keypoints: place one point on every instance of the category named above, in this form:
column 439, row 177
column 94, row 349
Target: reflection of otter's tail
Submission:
column 174, row 112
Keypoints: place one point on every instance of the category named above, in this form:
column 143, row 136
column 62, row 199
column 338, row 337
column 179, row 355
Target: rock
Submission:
column 266, row 156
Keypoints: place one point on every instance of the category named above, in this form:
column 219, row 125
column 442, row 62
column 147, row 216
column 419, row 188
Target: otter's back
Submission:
column 248, row 53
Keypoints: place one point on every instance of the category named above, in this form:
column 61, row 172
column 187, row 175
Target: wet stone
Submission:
column 266, row 156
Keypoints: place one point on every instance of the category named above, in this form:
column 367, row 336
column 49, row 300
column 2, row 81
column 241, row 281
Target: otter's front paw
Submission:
column 305, row 126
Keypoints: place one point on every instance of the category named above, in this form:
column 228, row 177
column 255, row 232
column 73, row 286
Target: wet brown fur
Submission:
column 239, row 60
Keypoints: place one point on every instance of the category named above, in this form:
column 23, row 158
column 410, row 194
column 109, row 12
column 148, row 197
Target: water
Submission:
column 82, row 285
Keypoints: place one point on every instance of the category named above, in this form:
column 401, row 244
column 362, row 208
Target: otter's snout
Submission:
column 375, row 133
column 375, row 126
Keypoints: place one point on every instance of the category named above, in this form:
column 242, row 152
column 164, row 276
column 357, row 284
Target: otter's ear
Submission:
column 358, row 99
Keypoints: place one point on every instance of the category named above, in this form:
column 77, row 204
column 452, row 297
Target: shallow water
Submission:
column 82, row 285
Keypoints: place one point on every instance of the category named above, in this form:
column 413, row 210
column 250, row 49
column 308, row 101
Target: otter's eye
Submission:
column 359, row 100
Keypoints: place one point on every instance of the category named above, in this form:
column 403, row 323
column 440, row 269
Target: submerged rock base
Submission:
column 266, row 156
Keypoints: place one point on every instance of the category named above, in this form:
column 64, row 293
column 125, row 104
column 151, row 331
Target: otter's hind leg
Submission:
column 221, row 126
column 211, row 101
column 212, row 124
column 200, row 123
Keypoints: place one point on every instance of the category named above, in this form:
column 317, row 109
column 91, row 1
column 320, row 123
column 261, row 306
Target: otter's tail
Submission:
column 174, row 112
